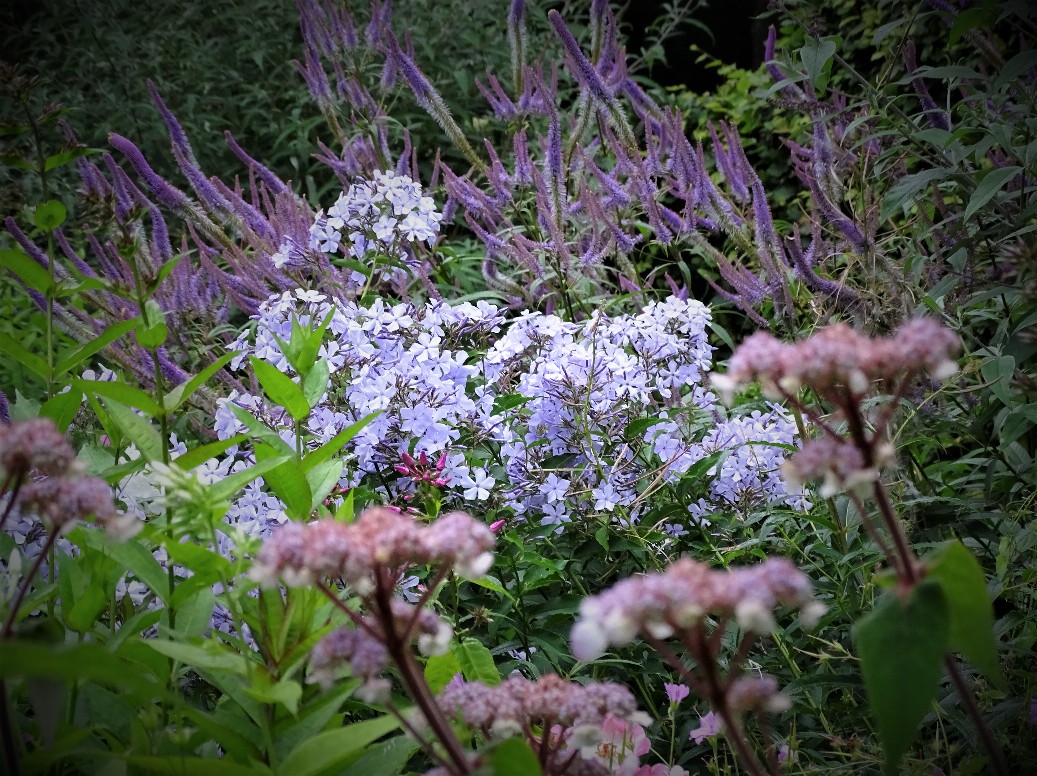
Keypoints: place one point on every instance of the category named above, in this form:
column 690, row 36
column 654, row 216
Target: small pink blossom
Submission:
column 709, row 726
column 676, row 692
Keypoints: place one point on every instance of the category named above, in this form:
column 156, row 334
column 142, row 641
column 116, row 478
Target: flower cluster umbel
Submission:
column 567, row 724
column 371, row 555
column 380, row 538
column 695, row 605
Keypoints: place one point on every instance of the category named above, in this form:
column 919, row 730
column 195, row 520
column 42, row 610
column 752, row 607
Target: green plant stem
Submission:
column 986, row 736
column 14, row 767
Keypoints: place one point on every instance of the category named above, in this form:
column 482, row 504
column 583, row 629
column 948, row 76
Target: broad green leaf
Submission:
column 112, row 333
column 280, row 388
column 152, row 331
column 11, row 347
column 287, row 692
column 130, row 555
column 333, row 748
column 288, row 482
column 513, row 758
column 179, row 766
column 313, row 717
column 971, row 613
column 332, row 447
column 62, row 158
column 492, row 583
column 208, row 657
column 231, row 484
column 16, row 161
column 267, row 435
column 901, row 645
column 314, row 339
column 386, row 758
column 194, row 614
column 991, row 184
column 80, row 662
column 316, row 382
column 183, row 392
column 50, row 215
column 199, row 455
column 62, row 408
column 164, row 270
column 124, row 394
column 903, row 192
column 28, row 271
column 321, row 479
column 476, row 661
column 135, row 428
column 440, row 670
column 817, row 59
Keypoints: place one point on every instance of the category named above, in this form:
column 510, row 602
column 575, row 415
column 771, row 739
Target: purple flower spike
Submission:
column 583, row 69
column 166, row 194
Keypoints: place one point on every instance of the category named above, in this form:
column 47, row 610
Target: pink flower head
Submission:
column 676, row 692
column 497, row 526
column 709, row 726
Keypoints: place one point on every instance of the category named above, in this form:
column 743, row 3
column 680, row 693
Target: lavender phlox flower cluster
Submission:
column 383, row 216
column 748, row 473
column 675, row 600
column 380, row 538
column 838, row 359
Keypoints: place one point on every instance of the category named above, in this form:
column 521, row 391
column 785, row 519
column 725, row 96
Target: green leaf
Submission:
column 230, row 485
column 11, row 347
column 62, row 408
column 181, row 393
column 316, row 382
column 386, row 758
column 817, row 59
column 135, row 428
column 331, row 448
column 164, row 270
column 179, row 765
column 29, row 271
column 49, row 215
column 287, row 692
column 440, row 670
column 267, row 435
column 16, row 161
column 476, row 661
column 61, row 158
column 89, row 662
column 130, row 555
column 971, row 613
column 152, row 331
column 280, row 388
column 901, row 645
column 208, row 656
column 122, row 392
column 288, row 482
column 513, row 758
column 321, row 479
column 903, row 191
column 199, row 455
column 307, row 352
column 95, row 345
column 991, row 184
column 333, row 748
